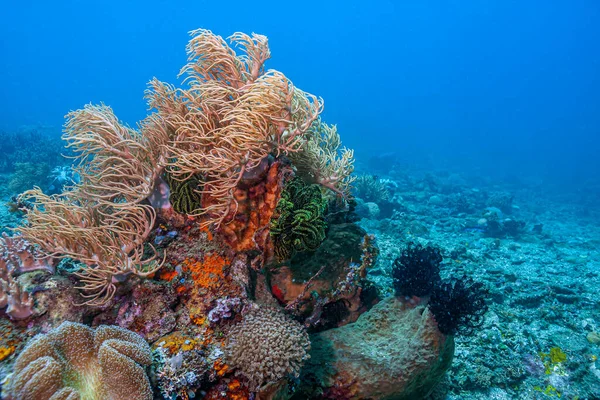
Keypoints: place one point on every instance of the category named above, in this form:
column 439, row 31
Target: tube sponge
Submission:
column 75, row 362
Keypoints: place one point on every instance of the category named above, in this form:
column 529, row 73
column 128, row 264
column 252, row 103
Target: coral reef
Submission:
column 26, row 175
column 30, row 143
column 230, row 147
column 74, row 361
column 206, row 244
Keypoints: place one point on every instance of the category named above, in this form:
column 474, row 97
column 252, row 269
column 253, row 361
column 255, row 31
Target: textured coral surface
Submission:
column 267, row 346
column 77, row 362
column 394, row 351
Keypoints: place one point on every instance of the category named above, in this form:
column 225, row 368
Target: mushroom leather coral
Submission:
column 75, row 362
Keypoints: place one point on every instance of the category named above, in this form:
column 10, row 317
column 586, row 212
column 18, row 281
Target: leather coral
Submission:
column 74, row 361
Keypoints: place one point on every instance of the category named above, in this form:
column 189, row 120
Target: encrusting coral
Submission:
column 76, row 362
column 267, row 346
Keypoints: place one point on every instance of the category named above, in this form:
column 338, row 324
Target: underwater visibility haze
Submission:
column 318, row 200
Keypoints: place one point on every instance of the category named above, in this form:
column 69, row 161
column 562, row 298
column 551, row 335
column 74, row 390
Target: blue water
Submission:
column 501, row 87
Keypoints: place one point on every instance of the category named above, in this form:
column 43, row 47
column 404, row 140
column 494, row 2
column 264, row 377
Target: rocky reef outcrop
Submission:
column 392, row 352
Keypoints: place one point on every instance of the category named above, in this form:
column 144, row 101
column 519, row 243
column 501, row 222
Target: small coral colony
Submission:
column 213, row 253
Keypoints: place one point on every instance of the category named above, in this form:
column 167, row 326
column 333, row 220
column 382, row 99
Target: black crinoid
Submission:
column 458, row 305
column 417, row 271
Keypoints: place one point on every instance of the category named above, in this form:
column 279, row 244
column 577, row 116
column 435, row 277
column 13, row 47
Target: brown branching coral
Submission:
column 77, row 362
column 267, row 346
column 116, row 163
column 232, row 116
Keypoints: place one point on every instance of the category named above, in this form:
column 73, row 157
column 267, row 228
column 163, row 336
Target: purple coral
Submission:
column 17, row 256
column 224, row 309
column 18, row 303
